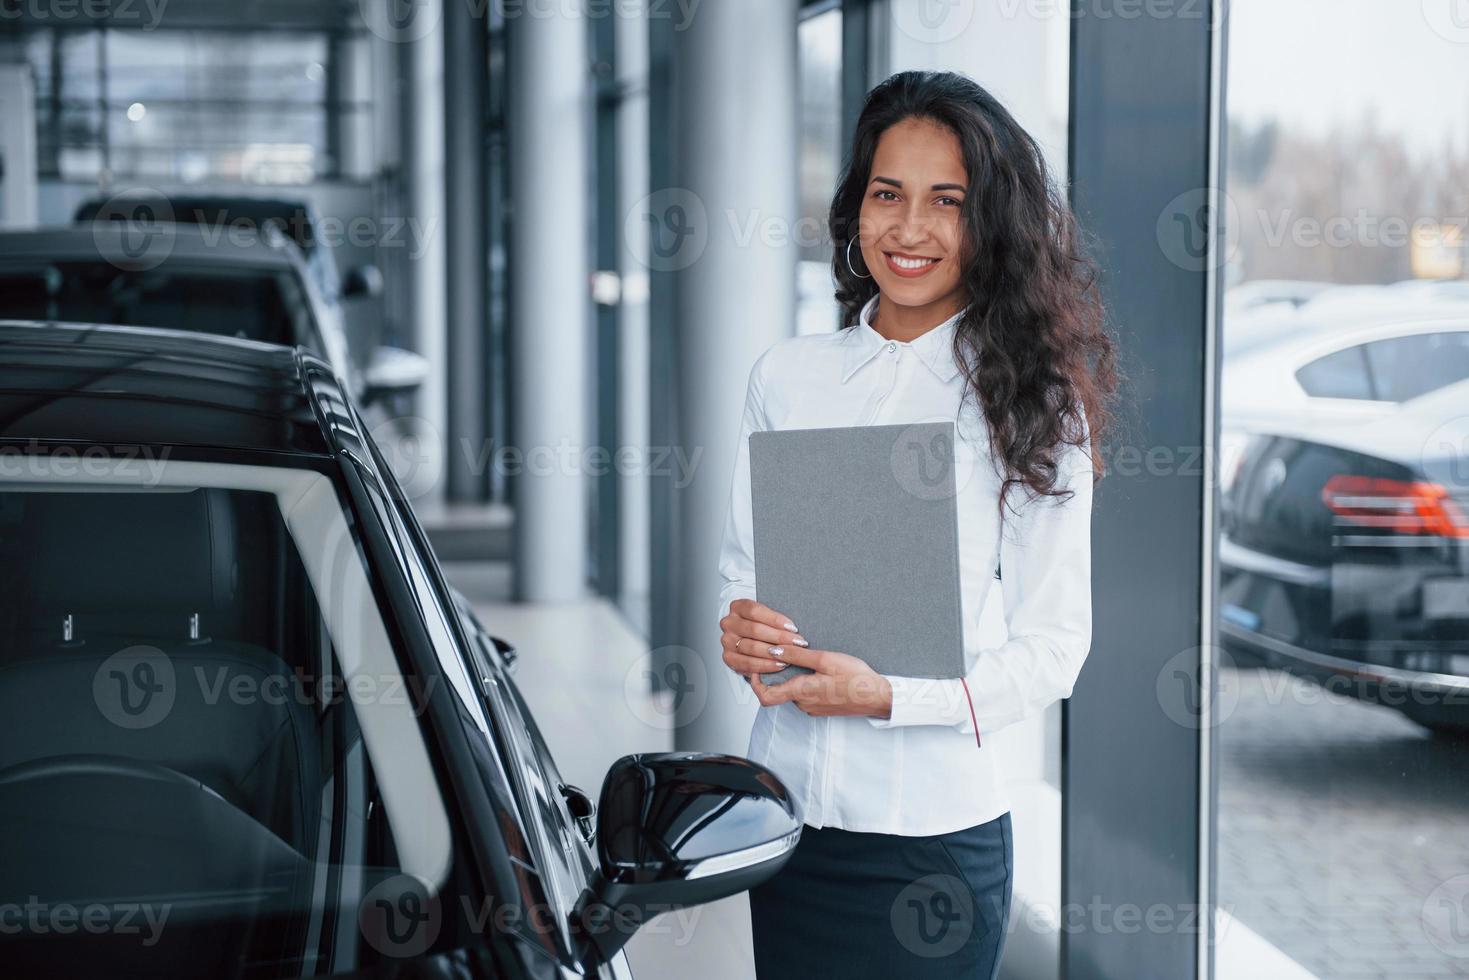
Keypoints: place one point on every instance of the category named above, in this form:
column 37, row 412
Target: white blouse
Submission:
column 925, row 769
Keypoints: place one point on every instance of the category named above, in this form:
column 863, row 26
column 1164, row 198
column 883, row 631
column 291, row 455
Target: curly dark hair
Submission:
column 1033, row 341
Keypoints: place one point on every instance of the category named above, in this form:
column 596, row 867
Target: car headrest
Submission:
column 129, row 555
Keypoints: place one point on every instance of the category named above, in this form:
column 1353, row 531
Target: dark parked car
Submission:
column 188, row 278
column 246, row 728
column 296, row 219
column 1344, row 556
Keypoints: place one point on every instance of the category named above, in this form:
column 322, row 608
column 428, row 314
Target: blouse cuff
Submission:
column 927, row 701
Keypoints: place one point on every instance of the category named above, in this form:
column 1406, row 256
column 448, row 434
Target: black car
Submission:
column 193, row 278
column 1344, row 557
column 294, row 218
column 247, row 729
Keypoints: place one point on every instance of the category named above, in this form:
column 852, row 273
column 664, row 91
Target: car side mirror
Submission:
column 393, row 370
column 678, row 829
column 362, row 282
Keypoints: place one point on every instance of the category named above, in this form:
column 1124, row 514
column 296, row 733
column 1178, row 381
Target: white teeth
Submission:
column 903, row 263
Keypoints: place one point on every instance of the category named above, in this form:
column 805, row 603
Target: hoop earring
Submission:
column 849, row 261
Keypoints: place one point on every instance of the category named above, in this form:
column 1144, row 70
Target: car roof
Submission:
column 1315, row 335
column 106, row 243
column 143, row 386
column 298, row 215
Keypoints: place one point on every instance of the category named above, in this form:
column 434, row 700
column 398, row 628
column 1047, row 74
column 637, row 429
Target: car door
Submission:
column 559, row 839
column 561, row 817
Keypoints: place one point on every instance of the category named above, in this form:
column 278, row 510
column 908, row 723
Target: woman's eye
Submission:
column 879, row 195
column 950, row 200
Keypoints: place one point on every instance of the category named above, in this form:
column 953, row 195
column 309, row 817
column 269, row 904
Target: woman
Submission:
column 966, row 296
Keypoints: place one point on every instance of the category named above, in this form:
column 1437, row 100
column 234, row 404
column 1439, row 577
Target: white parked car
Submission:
column 1350, row 366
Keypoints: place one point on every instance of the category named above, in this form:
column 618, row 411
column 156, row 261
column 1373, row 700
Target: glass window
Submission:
column 1340, row 375
column 1021, row 54
column 203, row 748
column 185, row 105
column 819, row 40
column 1343, row 597
column 1406, row 367
column 199, row 300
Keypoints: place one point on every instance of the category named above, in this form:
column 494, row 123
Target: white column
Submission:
column 737, row 92
column 421, row 143
column 19, row 187
column 633, row 364
column 548, row 90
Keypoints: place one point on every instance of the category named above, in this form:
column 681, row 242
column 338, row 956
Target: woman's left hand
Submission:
column 841, row 685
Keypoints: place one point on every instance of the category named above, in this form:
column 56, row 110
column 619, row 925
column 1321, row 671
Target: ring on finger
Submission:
column 737, row 643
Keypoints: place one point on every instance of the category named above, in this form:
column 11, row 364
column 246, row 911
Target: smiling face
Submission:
column 911, row 233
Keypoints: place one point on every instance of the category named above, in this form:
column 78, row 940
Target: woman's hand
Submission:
column 841, row 685
column 755, row 637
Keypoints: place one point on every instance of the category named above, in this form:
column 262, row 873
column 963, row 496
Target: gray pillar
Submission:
column 737, row 93
column 421, row 134
column 466, row 69
column 19, row 185
column 634, row 403
column 349, row 88
column 550, row 304
column 1139, row 725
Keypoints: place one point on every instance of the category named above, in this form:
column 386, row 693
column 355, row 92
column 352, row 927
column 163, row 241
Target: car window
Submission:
column 1342, row 374
column 1406, row 367
column 560, row 864
column 233, row 303
column 202, row 713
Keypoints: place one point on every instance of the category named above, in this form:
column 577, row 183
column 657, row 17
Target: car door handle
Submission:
column 508, row 653
column 582, row 809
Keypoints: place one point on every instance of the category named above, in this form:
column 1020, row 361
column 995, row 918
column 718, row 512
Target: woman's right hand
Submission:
column 755, row 636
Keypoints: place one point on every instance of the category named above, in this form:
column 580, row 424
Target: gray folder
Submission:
column 856, row 540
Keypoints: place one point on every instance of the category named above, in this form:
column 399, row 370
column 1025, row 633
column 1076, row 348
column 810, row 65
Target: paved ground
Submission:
column 1343, row 832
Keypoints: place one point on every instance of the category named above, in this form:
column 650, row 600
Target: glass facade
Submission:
column 1342, row 697
column 188, row 105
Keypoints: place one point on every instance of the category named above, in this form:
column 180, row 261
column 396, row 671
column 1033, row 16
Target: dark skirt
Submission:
column 854, row 905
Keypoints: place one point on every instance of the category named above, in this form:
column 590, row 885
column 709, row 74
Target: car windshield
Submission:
column 215, row 299
column 210, row 754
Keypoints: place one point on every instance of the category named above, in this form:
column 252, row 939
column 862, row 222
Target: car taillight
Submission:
column 1397, row 506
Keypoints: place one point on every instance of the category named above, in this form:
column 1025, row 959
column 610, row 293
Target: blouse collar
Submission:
column 934, row 347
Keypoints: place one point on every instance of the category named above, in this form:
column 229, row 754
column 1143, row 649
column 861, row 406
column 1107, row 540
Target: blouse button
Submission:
column 892, row 347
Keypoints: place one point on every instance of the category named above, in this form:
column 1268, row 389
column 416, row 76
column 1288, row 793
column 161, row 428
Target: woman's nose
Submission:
column 912, row 229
